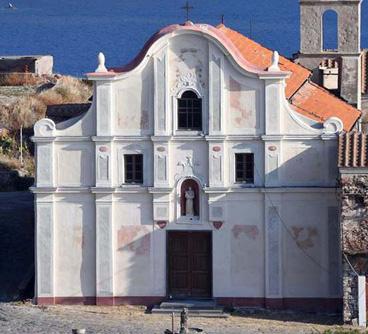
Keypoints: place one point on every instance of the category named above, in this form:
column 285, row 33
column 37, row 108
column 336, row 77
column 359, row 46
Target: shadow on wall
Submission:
column 16, row 246
column 307, row 164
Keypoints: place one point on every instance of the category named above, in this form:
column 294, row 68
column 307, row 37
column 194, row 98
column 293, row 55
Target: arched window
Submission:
column 189, row 112
column 330, row 30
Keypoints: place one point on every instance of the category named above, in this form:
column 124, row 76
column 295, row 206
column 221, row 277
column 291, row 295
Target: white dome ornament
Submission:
column 101, row 63
column 275, row 62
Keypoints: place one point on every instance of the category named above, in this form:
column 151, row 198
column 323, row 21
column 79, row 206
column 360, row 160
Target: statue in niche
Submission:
column 189, row 204
column 189, row 199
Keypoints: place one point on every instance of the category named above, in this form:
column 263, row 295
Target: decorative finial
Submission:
column 222, row 19
column 101, row 63
column 275, row 62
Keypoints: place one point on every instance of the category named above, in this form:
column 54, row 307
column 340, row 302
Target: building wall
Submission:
column 101, row 240
column 348, row 52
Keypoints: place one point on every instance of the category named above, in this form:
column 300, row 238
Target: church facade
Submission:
column 206, row 168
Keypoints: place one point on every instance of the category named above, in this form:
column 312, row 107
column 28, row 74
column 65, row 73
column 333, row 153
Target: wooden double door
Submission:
column 189, row 257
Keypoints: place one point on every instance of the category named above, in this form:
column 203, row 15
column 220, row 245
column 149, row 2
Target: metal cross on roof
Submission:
column 187, row 7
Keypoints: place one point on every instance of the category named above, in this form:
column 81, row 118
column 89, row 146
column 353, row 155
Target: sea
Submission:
column 74, row 31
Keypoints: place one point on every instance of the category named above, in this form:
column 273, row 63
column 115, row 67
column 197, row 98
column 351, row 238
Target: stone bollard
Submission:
column 184, row 321
column 79, row 331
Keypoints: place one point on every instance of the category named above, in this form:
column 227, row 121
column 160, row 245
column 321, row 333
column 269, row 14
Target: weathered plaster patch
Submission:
column 304, row 237
column 241, row 100
column 251, row 231
column 135, row 239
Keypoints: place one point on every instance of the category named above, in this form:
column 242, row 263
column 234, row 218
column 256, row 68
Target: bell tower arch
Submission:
column 342, row 60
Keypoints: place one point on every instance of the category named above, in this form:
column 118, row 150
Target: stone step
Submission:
column 193, row 313
column 189, row 304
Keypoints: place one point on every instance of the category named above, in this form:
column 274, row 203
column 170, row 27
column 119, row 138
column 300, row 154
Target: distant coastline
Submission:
column 75, row 31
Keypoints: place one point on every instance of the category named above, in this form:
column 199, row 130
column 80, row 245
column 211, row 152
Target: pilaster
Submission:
column 104, row 158
column 160, row 95
column 274, row 97
column 104, row 104
column 161, row 164
column 45, row 241
column 216, row 92
column 216, row 159
column 45, row 157
column 273, row 251
column 272, row 150
column 104, row 250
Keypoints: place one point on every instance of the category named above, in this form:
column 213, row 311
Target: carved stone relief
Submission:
column 216, row 167
column 188, row 80
column 161, row 167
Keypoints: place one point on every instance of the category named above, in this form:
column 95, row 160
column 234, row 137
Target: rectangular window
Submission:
column 133, row 168
column 244, row 167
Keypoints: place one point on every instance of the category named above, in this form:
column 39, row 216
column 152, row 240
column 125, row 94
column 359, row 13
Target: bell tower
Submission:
column 337, row 68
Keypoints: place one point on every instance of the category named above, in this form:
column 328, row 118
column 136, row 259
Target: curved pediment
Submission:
column 162, row 37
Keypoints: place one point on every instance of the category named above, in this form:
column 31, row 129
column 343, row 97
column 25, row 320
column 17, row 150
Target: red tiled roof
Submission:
column 319, row 104
column 262, row 57
column 353, row 149
column 305, row 97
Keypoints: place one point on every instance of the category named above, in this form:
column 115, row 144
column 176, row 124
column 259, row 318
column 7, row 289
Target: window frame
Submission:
column 193, row 114
column 245, row 179
column 134, row 179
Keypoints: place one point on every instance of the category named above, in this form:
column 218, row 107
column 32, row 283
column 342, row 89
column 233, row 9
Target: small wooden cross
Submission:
column 187, row 7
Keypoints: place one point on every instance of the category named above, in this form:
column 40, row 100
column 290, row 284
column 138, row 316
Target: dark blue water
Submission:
column 74, row 31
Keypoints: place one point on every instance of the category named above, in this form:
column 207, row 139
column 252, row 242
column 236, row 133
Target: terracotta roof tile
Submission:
column 306, row 98
column 353, row 149
column 319, row 104
column 262, row 57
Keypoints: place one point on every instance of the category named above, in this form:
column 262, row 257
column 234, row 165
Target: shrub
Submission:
column 9, row 163
column 19, row 79
column 7, row 145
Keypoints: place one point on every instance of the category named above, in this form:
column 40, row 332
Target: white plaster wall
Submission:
column 310, row 256
column 133, row 233
column 75, row 246
column 237, row 271
column 134, row 103
column 309, row 163
column 75, row 164
column 243, row 107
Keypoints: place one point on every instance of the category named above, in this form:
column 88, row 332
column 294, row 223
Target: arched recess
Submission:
column 330, row 30
column 185, row 185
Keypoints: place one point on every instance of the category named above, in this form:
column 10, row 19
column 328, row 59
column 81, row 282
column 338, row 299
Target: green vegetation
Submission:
column 23, row 101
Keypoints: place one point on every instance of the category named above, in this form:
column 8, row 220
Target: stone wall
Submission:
column 16, row 245
column 39, row 65
column 354, row 230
